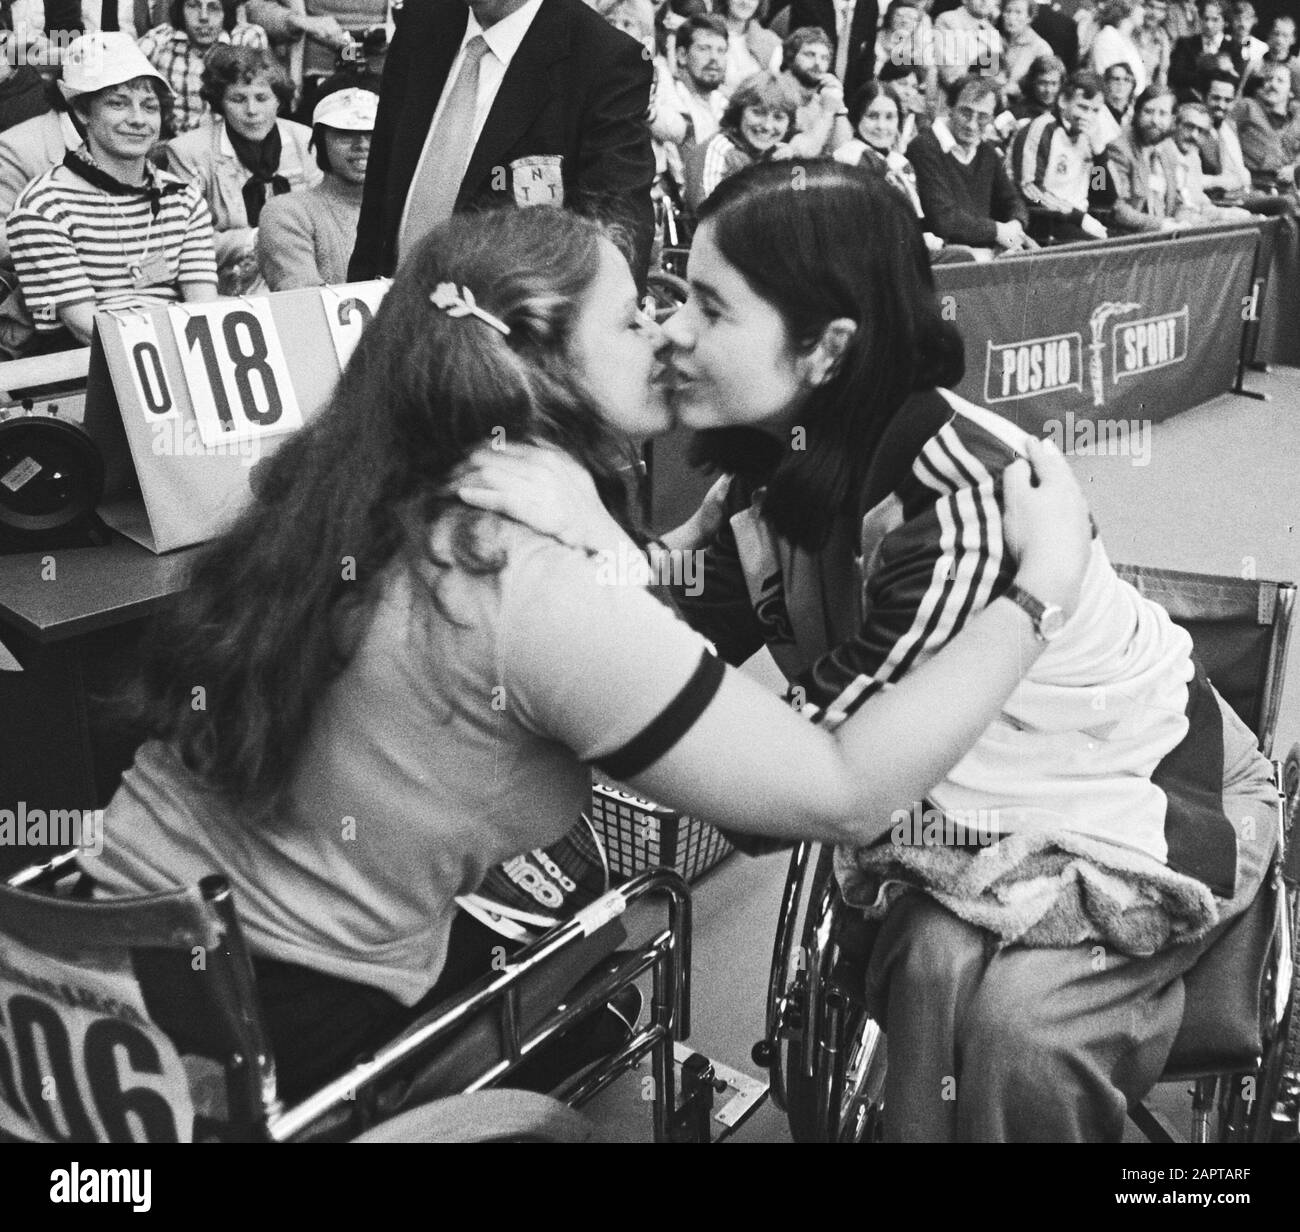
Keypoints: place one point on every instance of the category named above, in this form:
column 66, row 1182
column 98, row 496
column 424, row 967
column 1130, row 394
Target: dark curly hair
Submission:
column 229, row 66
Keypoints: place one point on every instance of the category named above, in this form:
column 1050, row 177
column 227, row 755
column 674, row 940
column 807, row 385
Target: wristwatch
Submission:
column 1049, row 619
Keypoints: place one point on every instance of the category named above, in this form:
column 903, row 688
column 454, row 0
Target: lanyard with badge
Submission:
column 151, row 269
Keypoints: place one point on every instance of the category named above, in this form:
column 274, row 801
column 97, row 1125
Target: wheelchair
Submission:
column 1239, row 1044
column 137, row 1019
column 666, row 288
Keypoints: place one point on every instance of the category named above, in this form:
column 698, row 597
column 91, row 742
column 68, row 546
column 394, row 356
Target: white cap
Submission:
column 97, row 61
column 352, row 110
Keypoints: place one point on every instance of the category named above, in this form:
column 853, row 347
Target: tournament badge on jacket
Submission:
column 538, row 179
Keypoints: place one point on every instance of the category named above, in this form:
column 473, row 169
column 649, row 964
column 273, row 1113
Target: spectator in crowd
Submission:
column 23, row 93
column 1021, row 46
column 876, row 116
column 1226, row 177
column 1213, row 39
column 1143, row 166
column 557, row 116
column 851, row 26
column 1061, row 33
column 751, row 46
column 1280, row 49
column 668, row 126
column 1039, row 88
column 1085, row 25
column 967, row 196
column 1120, row 85
column 967, row 41
column 1268, row 128
column 323, row 29
column 1117, row 22
column 103, row 228
column 1210, row 65
column 921, row 56
column 1183, row 19
column 896, row 43
column 754, row 129
column 242, row 154
column 1242, row 21
column 701, row 70
column 906, row 80
column 1051, row 163
column 30, row 22
column 31, row 148
column 131, row 17
column 178, row 47
column 821, row 119
column 1153, row 42
column 304, row 239
column 1191, row 128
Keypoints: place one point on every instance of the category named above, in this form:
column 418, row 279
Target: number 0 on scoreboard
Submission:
column 235, row 370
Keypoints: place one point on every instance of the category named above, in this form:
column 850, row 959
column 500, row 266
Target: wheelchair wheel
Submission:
column 1264, row 1106
column 1291, row 791
column 836, row 1057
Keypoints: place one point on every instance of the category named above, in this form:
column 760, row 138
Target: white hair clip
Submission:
column 460, row 303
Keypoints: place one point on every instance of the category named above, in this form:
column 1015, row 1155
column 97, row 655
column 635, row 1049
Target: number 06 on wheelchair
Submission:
column 1239, row 1044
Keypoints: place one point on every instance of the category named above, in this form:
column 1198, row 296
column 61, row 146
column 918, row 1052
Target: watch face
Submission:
column 1051, row 622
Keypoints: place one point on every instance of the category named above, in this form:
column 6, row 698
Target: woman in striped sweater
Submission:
column 859, row 530
column 104, row 229
column 759, row 117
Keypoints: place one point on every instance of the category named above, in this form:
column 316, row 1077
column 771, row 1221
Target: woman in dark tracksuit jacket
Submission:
column 859, row 531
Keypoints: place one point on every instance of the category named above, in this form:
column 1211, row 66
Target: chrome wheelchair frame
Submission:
column 827, row 1057
column 507, row 1015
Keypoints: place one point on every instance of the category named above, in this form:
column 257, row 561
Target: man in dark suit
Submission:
column 856, row 63
column 1185, row 76
column 566, row 124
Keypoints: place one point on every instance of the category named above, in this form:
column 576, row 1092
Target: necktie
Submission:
column 436, row 183
column 108, row 23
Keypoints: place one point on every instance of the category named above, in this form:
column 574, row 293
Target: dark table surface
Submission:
column 91, row 588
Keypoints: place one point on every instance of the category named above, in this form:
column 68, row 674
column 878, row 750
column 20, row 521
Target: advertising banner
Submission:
column 1103, row 332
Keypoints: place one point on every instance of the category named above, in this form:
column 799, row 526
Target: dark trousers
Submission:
column 320, row 1024
column 1043, row 1045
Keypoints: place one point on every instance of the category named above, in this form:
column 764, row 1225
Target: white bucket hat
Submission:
column 351, row 110
column 97, row 61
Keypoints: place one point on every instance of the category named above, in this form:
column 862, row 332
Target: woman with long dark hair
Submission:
column 1105, row 810
column 371, row 694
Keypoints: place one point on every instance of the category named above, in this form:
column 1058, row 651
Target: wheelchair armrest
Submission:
column 478, row 1045
column 508, row 1014
column 1221, row 1028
